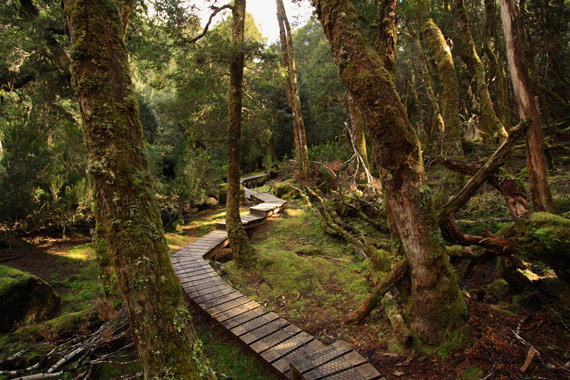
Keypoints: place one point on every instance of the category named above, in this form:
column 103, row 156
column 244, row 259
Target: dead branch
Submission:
column 101, row 346
column 395, row 275
column 446, row 218
column 215, row 11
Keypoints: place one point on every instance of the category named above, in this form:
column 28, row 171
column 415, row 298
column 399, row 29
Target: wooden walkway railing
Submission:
column 292, row 353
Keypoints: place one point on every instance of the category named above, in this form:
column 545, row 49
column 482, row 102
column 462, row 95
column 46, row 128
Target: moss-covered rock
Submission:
column 285, row 190
column 223, row 193
column 544, row 237
column 24, row 298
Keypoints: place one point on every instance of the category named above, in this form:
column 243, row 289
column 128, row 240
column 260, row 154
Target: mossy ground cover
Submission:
column 308, row 277
column 317, row 286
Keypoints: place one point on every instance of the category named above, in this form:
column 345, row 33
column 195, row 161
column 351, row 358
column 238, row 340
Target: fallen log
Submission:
column 446, row 218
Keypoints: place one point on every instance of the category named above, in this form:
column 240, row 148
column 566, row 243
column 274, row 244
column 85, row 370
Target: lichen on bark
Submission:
column 492, row 127
column 127, row 211
column 437, row 311
column 241, row 248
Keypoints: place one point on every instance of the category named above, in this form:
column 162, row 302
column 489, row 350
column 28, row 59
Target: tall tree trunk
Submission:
column 387, row 36
column 437, row 123
column 438, row 310
column 241, row 248
column 492, row 127
column 450, row 88
column 292, row 89
column 492, row 50
column 357, row 135
column 126, row 207
column 535, row 157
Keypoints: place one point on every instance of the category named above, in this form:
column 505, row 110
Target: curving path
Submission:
column 292, row 353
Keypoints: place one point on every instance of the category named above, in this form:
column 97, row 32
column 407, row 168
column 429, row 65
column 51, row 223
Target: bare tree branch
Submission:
column 215, row 10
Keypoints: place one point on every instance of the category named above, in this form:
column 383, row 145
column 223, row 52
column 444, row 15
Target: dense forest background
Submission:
column 452, row 70
column 181, row 88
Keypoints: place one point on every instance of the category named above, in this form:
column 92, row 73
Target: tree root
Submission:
column 330, row 220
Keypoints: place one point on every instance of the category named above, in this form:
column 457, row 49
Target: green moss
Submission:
column 498, row 288
column 472, row 373
column 544, row 237
column 63, row 324
column 313, row 281
column 285, row 190
column 503, row 311
column 24, row 298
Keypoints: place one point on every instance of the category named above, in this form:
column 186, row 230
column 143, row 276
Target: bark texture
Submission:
column 494, row 51
column 438, row 123
column 292, row 89
column 357, row 136
column 450, row 89
column 241, row 248
column 387, row 37
column 535, row 157
column 492, row 127
column 126, row 207
column 438, row 310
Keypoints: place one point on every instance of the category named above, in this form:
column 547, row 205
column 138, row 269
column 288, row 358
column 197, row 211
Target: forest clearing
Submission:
column 374, row 189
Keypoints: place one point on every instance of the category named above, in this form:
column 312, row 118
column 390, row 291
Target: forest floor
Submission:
column 315, row 280
column 70, row 267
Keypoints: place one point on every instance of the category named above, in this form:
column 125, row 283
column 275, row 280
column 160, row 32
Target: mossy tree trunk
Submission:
column 535, row 157
column 126, row 206
column 292, row 89
column 357, row 135
column 495, row 53
column 241, row 248
column 438, row 310
column 387, row 34
column 437, row 118
column 491, row 126
column 450, row 89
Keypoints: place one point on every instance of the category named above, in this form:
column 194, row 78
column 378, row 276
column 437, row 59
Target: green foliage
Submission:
column 23, row 165
column 330, row 151
column 321, row 89
column 226, row 357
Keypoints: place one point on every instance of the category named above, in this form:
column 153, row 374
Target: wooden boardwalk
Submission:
column 292, row 353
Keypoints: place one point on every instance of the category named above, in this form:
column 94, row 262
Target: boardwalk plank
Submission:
column 327, row 354
column 263, row 331
column 245, row 317
column 224, row 304
column 283, row 364
column 212, row 301
column 277, row 352
column 363, row 372
column 272, row 337
column 340, row 364
column 275, row 338
column 220, row 317
column 254, row 323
